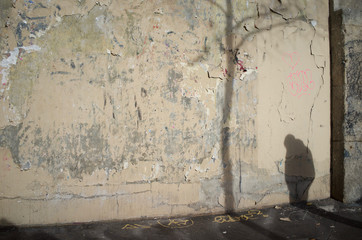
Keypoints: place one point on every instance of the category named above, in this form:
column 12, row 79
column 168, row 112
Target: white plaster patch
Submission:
column 125, row 165
column 250, row 72
column 204, row 66
column 40, row 33
column 100, row 20
column 314, row 23
column 158, row 11
column 155, row 170
column 12, row 60
column 200, row 169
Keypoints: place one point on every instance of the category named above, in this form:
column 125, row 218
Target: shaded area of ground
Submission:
column 326, row 219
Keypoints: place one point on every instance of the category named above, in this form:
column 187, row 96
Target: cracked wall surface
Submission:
column 161, row 108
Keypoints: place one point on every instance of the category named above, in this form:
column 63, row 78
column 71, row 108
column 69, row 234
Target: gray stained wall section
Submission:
column 346, row 58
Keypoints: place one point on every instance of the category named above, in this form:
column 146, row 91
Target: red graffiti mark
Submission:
column 292, row 59
column 225, row 72
column 6, row 166
column 240, row 63
column 143, row 48
column 189, row 93
column 300, row 82
column 240, row 68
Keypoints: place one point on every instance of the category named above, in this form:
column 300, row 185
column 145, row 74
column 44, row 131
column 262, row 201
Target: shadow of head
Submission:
column 12, row 232
column 299, row 169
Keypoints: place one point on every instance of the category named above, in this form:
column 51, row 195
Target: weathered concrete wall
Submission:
column 346, row 25
column 128, row 109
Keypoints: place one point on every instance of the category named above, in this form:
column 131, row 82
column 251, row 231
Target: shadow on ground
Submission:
column 326, row 219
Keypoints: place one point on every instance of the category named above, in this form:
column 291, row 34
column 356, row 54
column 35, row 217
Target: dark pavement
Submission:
column 326, row 219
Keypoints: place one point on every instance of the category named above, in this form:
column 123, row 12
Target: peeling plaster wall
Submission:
column 129, row 109
column 347, row 98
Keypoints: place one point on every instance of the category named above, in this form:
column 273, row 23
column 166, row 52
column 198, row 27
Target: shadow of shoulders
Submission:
column 10, row 231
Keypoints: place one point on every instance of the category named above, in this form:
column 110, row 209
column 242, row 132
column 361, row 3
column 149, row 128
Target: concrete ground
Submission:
column 326, row 219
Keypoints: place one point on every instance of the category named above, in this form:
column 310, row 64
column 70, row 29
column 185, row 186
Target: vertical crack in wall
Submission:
column 280, row 104
column 316, row 96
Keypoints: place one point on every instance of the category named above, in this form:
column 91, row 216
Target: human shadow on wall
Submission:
column 299, row 175
column 231, row 50
column 299, row 169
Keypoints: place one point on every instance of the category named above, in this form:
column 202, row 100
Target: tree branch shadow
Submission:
column 231, row 51
column 240, row 24
column 328, row 215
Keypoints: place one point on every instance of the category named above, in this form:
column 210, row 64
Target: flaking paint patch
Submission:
column 76, row 33
column 12, row 59
column 81, row 152
column 173, row 80
column 190, row 11
column 9, row 138
column 134, row 34
column 22, row 78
